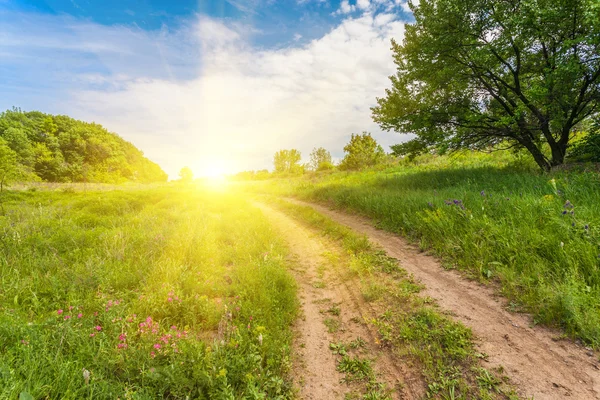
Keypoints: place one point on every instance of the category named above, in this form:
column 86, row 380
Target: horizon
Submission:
column 209, row 85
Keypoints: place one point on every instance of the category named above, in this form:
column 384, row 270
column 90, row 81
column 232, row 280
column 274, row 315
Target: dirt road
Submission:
column 321, row 286
column 539, row 364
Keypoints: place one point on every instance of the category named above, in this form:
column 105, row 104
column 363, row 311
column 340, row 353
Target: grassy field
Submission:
column 493, row 216
column 163, row 293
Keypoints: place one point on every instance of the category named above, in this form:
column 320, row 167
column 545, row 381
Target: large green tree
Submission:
column 488, row 73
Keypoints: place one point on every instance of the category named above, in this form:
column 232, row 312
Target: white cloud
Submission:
column 244, row 103
column 345, row 8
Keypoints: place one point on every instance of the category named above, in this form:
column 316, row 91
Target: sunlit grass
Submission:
column 167, row 293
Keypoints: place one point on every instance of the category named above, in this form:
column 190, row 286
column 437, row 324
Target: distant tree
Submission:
column 9, row 168
column 486, row 74
column 320, row 160
column 186, row 174
column 361, row 152
column 287, row 161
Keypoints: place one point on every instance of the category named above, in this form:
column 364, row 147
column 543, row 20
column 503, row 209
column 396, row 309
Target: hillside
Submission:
column 57, row 148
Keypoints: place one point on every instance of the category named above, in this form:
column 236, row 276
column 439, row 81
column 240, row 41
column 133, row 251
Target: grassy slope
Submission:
column 159, row 293
column 537, row 234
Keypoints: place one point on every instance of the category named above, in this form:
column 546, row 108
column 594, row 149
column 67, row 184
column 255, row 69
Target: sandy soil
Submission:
column 538, row 363
column 321, row 287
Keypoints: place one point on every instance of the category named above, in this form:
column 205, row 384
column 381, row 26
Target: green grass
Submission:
column 441, row 350
column 536, row 234
column 163, row 293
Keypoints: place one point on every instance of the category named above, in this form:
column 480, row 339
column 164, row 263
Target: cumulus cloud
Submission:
column 243, row 103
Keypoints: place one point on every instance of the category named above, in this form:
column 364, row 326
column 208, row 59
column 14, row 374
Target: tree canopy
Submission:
column 362, row 151
column 485, row 73
column 57, row 148
column 287, row 161
column 186, row 174
column 320, row 159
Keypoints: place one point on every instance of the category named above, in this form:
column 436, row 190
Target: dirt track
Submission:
column 538, row 363
column 315, row 365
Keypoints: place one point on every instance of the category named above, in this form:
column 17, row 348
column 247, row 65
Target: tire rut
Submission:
column 538, row 363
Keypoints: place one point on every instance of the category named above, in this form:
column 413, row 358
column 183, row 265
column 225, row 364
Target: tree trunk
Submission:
column 537, row 154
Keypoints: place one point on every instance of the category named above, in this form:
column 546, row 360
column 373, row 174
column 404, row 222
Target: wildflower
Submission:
column 67, row 317
column 98, row 328
column 562, row 244
column 24, row 342
column 92, row 334
column 173, row 328
column 572, row 223
column 430, row 204
column 122, row 346
column 482, row 193
column 152, row 354
column 86, row 376
column 564, row 212
column 157, row 346
column 586, row 227
column 70, row 308
column 169, row 299
column 59, row 312
column 122, row 337
column 80, row 315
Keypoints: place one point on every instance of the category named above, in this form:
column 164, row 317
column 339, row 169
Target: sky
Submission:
column 216, row 85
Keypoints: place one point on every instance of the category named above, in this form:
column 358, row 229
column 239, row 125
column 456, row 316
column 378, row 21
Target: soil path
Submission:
column 322, row 287
column 537, row 362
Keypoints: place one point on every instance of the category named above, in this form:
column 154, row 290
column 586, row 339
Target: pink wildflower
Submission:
column 59, row 312
column 92, row 334
column 122, row 345
column 169, row 299
column 152, row 354
column 98, row 328
column 70, row 308
column 79, row 315
column 173, row 328
column 157, row 346
column 67, row 317
column 122, row 337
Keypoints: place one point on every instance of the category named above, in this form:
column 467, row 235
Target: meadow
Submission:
column 536, row 235
column 174, row 292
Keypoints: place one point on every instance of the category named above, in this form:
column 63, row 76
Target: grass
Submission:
column 162, row 293
column 441, row 350
column 536, row 234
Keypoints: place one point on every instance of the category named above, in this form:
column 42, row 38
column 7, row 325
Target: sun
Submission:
column 213, row 171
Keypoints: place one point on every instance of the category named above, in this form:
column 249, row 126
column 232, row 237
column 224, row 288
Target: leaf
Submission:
column 25, row 396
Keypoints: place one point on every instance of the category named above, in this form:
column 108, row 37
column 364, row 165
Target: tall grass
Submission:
column 165, row 293
column 537, row 234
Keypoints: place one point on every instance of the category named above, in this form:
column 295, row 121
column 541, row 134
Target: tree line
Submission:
column 57, row 148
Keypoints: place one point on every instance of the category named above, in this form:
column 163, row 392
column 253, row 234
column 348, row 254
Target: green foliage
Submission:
column 169, row 293
column 475, row 74
column 361, row 152
column 61, row 149
column 320, row 160
column 186, row 174
column 588, row 149
column 287, row 161
column 8, row 164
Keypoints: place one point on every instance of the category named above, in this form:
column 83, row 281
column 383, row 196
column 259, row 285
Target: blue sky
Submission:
column 204, row 83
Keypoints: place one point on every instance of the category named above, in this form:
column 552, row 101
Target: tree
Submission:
column 186, row 174
column 496, row 74
column 287, row 161
column 362, row 151
column 8, row 164
column 320, row 159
